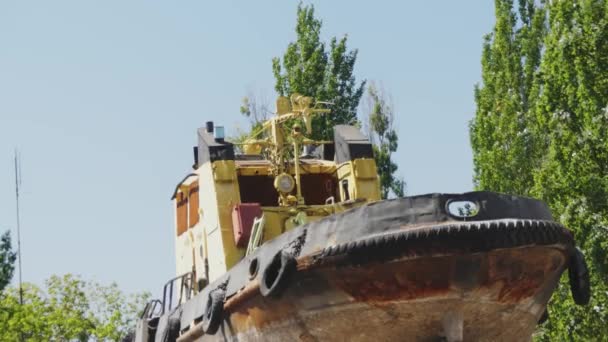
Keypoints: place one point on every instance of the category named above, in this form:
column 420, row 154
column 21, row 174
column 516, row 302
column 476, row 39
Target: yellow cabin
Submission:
column 232, row 202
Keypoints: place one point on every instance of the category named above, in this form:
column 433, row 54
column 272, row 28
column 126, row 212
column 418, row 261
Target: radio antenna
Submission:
column 17, row 184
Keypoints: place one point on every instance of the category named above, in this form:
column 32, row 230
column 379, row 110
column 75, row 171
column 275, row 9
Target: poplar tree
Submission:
column 384, row 139
column 572, row 178
column 501, row 133
column 7, row 260
column 310, row 68
column 541, row 130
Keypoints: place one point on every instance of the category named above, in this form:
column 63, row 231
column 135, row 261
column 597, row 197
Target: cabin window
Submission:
column 193, row 205
column 181, row 213
column 258, row 189
column 316, row 189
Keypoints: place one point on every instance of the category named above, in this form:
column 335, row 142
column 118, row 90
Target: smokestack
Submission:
column 195, row 151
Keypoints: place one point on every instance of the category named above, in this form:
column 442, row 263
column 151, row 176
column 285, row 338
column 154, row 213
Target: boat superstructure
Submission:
column 283, row 238
column 215, row 205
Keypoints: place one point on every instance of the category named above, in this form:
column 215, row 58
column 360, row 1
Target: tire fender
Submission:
column 578, row 274
column 544, row 317
column 214, row 312
column 277, row 274
column 172, row 330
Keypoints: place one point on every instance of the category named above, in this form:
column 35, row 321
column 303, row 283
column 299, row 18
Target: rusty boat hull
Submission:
column 396, row 270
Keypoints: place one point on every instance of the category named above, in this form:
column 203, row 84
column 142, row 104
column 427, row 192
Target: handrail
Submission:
column 150, row 309
column 186, row 285
column 257, row 232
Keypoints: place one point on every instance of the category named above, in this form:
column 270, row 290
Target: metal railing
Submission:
column 152, row 309
column 186, row 289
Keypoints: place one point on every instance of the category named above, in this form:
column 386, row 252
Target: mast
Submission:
column 296, row 107
column 17, row 184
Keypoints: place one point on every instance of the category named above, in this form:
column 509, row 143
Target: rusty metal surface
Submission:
column 500, row 296
column 405, row 265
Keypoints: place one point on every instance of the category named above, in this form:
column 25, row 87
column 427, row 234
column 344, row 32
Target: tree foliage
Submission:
column 7, row 260
column 69, row 310
column 500, row 133
column 382, row 134
column 256, row 107
column 541, row 130
column 308, row 67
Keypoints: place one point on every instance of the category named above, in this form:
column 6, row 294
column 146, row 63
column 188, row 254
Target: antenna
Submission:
column 17, row 184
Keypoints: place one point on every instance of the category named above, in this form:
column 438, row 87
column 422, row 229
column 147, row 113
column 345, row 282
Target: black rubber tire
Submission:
column 578, row 274
column 129, row 337
column 172, row 331
column 544, row 317
column 277, row 274
column 214, row 312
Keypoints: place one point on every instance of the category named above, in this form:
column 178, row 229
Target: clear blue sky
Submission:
column 103, row 98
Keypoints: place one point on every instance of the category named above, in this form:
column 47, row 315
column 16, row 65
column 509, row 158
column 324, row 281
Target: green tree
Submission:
column 115, row 312
column 382, row 134
column 69, row 310
column 309, row 68
column 7, row 260
column 541, row 130
column 572, row 177
column 27, row 320
column 501, row 130
column 256, row 107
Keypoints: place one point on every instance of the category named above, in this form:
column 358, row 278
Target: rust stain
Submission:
column 505, row 277
column 399, row 280
column 517, row 274
column 522, row 273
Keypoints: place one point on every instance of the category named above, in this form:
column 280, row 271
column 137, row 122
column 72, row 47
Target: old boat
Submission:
column 282, row 238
